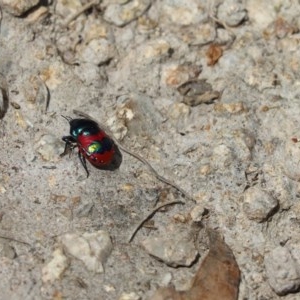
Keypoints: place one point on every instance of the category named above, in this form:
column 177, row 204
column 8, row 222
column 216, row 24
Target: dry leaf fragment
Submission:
column 217, row 278
column 197, row 91
column 213, row 54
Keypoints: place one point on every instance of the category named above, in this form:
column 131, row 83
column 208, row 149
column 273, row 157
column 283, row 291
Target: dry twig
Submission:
column 151, row 215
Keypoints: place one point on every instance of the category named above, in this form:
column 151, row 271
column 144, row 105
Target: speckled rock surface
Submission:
column 283, row 271
column 206, row 91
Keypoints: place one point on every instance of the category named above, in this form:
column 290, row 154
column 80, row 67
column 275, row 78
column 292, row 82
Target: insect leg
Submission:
column 69, row 146
column 83, row 162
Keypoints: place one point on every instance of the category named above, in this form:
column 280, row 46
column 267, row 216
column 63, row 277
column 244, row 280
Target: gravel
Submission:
column 208, row 93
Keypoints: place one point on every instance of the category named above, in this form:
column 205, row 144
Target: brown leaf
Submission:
column 213, row 54
column 217, row 278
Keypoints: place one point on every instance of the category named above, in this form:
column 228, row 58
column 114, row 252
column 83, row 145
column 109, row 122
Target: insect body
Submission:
column 101, row 150
column 93, row 145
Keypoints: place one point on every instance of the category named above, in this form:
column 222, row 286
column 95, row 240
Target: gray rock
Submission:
column 291, row 159
column 201, row 34
column 182, row 12
column 7, row 251
column 135, row 115
column 121, row 15
column 258, row 205
column 54, row 269
column 222, row 157
column 282, row 271
column 18, row 7
column 129, row 296
column 261, row 13
column 232, row 12
column 92, row 249
column 175, row 250
column 49, row 147
column 66, row 8
column 197, row 213
column 97, row 52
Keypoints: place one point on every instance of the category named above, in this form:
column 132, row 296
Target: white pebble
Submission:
column 54, row 269
column 258, row 205
column 173, row 250
column 91, row 248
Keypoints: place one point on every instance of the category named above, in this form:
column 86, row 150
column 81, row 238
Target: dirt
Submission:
column 233, row 130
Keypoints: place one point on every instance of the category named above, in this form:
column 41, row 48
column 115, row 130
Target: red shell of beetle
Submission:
column 98, row 160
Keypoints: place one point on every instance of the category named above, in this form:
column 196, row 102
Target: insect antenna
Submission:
column 67, row 118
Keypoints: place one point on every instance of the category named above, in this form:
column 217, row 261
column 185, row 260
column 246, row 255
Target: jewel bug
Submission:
column 96, row 144
column 93, row 145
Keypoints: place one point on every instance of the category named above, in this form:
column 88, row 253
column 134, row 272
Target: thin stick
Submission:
column 150, row 216
column 79, row 12
column 137, row 156
column 14, row 240
column 46, row 93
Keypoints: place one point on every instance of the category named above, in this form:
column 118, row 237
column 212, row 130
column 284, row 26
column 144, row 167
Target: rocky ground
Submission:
column 206, row 91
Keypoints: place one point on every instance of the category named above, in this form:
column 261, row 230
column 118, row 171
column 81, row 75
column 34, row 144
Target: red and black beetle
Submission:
column 93, row 145
column 102, row 151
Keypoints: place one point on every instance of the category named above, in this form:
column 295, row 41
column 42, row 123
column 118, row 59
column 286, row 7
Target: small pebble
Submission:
column 20, row 119
column 232, row 12
column 49, row 147
column 282, row 271
column 205, row 169
column 135, row 115
column 196, row 92
column 294, row 249
column 207, row 97
column 224, row 37
column 280, row 28
column 7, row 251
column 174, row 250
column 85, row 210
column 261, row 13
column 97, row 52
column 197, row 213
column 182, row 12
column 199, row 35
column 166, row 279
column 241, row 148
column 18, row 7
column 129, row 296
column 92, row 249
column 67, row 8
column 292, row 159
column 194, row 87
column 15, row 105
column 258, row 205
column 180, row 218
column 222, row 157
column 109, row 288
column 232, row 108
column 146, row 24
column 174, row 74
column 121, row 15
column 38, row 15
column 178, row 110
column 153, row 51
column 54, row 269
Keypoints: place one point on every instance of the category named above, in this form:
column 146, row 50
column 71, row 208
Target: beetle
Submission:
column 100, row 149
column 93, row 145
